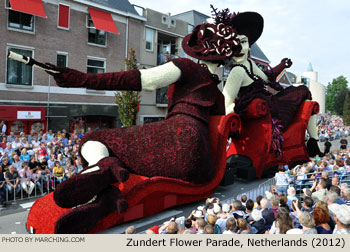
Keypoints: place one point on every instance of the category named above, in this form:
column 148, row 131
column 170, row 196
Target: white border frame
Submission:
column 62, row 53
column 58, row 16
column 21, row 47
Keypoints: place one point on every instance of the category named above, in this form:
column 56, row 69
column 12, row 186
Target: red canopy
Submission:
column 33, row 7
column 103, row 21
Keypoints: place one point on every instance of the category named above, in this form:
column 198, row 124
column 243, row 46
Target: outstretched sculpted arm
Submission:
column 145, row 79
column 231, row 89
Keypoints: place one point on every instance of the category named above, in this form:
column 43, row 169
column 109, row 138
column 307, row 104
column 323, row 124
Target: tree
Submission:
column 346, row 110
column 332, row 91
column 128, row 101
column 339, row 101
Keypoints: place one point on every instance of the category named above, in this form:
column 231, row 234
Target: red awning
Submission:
column 103, row 21
column 33, row 7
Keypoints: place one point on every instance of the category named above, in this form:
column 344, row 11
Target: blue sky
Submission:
column 303, row 30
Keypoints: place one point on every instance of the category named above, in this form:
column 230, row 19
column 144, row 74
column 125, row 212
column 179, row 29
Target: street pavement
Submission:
column 14, row 216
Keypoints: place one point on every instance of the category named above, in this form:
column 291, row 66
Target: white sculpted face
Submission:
column 243, row 55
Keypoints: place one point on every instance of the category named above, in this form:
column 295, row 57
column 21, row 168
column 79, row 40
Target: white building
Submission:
column 318, row 90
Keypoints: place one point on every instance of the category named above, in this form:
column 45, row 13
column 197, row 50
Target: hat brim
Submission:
column 189, row 42
column 250, row 24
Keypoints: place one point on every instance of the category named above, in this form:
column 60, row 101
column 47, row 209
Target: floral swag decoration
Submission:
column 218, row 39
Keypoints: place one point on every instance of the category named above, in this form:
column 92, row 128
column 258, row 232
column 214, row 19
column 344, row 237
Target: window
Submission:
column 63, row 16
column 20, row 21
column 150, row 119
column 95, row 36
column 149, row 39
column 95, row 66
column 161, row 97
column 17, row 72
column 62, row 59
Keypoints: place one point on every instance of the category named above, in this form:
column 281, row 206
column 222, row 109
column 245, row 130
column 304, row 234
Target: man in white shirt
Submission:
column 3, row 128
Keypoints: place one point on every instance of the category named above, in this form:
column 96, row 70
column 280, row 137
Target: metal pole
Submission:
column 48, row 106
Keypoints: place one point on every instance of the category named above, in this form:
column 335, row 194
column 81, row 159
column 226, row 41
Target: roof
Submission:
column 310, row 69
column 257, row 53
column 192, row 17
column 122, row 5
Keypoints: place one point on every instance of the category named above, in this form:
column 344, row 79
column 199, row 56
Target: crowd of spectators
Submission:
column 331, row 127
column 313, row 198
column 267, row 214
column 34, row 164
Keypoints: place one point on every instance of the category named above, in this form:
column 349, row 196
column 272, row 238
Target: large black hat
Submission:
column 250, row 24
column 219, row 41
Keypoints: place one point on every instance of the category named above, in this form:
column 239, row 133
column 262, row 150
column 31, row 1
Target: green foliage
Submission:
column 333, row 90
column 128, row 101
column 346, row 110
column 339, row 101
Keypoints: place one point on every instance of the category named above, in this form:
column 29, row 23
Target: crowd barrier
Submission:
column 28, row 189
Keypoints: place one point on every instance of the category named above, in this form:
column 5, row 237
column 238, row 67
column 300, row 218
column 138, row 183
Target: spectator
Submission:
column 35, row 143
column 331, row 200
column 58, row 172
column 45, row 140
column 295, row 210
column 12, row 181
column 346, row 196
column 17, row 145
column 236, row 210
column 282, row 224
column 25, row 157
column 267, row 213
column 169, row 228
column 308, row 205
column 231, row 226
column 327, row 146
column 3, row 142
column 244, row 228
column 336, row 189
column 283, row 201
column 275, row 201
column 322, row 217
column 321, row 189
column 51, row 162
column 50, row 135
column 249, row 208
column 130, row 230
column 26, row 144
column 11, row 137
column 2, row 187
column 342, row 219
column 243, row 199
column 208, row 229
column 343, row 143
column 25, row 179
column 335, row 181
column 17, row 162
column 50, row 149
column 200, row 224
column 258, row 221
column 9, row 150
column 223, row 216
column 3, row 128
column 5, row 164
column 291, row 196
column 257, row 204
column 212, row 221
column 308, row 223
column 69, row 170
column 282, row 180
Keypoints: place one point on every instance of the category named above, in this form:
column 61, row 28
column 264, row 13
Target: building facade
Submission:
column 67, row 36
